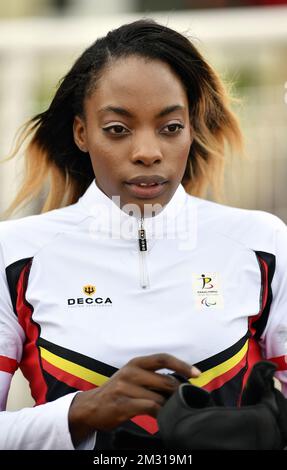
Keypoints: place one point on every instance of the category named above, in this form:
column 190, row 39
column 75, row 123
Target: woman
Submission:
column 133, row 278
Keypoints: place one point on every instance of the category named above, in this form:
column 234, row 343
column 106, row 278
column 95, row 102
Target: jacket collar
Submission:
column 110, row 218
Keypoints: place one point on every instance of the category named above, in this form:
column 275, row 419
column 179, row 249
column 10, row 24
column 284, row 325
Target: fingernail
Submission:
column 195, row 372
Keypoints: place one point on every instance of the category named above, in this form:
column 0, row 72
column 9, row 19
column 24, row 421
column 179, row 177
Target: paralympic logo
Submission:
column 207, row 303
column 206, row 289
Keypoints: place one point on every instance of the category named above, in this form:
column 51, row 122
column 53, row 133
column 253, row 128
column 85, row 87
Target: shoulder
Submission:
column 253, row 228
column 22, row 238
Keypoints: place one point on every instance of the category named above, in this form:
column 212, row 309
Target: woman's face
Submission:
column 137, row 131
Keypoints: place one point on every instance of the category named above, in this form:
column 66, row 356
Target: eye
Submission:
column 116, row 129
column 173, row 128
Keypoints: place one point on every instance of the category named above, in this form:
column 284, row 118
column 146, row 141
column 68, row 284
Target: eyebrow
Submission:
column 126, row 113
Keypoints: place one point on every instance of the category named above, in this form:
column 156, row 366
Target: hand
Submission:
column 135, row 389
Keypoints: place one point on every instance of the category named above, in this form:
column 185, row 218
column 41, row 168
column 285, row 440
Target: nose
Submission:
column 146, row 150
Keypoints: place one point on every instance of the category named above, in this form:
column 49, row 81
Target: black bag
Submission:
column 190, row 420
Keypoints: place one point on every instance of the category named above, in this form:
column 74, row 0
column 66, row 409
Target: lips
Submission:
column 147, row 180
column 146, row 187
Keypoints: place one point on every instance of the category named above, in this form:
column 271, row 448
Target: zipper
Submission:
column 144, row 281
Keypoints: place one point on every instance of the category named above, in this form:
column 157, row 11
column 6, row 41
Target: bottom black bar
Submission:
column 134, row 459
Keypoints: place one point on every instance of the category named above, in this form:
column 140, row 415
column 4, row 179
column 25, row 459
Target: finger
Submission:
column 166, row 361
column 141, row 406
column 151, row 380
column 137, row 392
column 195, row 372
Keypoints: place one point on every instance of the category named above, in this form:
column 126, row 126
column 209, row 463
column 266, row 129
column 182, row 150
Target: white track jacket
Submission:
column 86, row 288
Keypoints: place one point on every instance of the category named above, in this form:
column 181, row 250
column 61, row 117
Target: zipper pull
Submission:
column 142, row 237
column 144, row 281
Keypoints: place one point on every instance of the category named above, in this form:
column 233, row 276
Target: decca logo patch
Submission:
column 89, row 290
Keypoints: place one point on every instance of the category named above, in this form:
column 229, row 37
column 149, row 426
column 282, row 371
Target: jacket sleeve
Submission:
column 44, row 426
column 274, row 340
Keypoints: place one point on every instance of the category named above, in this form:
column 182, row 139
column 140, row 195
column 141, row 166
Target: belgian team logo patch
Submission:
column 206, row 289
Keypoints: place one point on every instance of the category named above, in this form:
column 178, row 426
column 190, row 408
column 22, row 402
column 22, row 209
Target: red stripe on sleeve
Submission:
column 254, row 355
column 280, row 361
column 31, row 361
column 8, row 365
column 264, row 274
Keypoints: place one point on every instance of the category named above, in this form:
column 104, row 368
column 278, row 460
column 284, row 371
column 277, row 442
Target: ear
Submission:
column 79, row 132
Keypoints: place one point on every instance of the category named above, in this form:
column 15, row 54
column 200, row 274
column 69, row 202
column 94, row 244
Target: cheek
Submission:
column 101, row 152
column 181, row 150
column 104, row 148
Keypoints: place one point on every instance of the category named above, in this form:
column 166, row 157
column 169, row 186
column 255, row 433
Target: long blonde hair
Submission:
column 52, row 158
